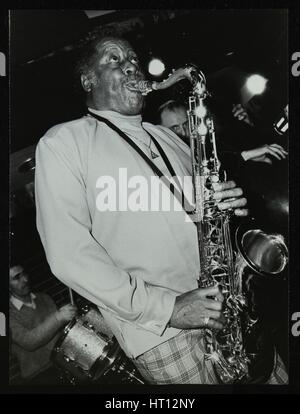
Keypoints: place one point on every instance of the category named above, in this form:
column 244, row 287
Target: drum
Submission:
column 92, row 318
column 83, row 352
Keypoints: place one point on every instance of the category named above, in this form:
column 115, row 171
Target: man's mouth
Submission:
column 133, row 86
column 26, row 287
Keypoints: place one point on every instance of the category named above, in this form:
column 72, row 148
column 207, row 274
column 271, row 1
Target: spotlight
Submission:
column 256, row 84
column 156, row 67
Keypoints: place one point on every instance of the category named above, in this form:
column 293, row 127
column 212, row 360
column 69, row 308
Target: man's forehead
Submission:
column 106, row 44
column 180, row 111
column 174, row 115
column 15, row 270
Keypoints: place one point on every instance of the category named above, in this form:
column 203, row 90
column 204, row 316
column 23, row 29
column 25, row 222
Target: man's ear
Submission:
column 87, row 82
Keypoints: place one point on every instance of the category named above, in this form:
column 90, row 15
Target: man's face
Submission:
column 115, row 73
column 18, row 282
column 177, row 120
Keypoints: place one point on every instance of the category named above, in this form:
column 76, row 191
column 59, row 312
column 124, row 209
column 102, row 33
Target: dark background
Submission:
column 44, row 47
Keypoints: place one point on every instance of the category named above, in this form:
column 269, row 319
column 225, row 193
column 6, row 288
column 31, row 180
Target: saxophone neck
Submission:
column 189, row 71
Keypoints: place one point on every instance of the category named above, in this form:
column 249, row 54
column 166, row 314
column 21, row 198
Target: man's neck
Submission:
column 98, row 106
column 25, row 299
column 95, row 104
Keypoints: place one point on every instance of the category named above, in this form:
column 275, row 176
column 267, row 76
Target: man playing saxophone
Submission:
column 139, row 267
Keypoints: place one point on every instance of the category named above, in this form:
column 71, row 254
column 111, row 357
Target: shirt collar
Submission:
column 131, row 121
column 18, row 303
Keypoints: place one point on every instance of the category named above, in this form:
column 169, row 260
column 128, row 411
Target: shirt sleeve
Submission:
column 48, row 302
column 76, row 258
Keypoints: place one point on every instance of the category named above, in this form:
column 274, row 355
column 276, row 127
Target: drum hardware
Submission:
column 88, row 325
column 68, row 359
column 131, row 375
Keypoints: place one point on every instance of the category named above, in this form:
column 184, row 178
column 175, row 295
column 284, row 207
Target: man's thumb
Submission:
column 210, row 291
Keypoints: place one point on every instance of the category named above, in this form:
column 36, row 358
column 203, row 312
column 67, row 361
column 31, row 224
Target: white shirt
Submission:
column 131, row 264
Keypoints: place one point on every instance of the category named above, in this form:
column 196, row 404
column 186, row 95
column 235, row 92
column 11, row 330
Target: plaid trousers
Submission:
column 180, row 360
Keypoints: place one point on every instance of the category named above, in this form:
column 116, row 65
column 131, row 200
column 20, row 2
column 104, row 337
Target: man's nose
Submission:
column 25, row 277
column 129, row 68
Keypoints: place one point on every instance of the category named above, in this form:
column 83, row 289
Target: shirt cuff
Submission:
column 158, row 312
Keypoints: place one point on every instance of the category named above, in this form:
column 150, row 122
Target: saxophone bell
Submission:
column 265, row 253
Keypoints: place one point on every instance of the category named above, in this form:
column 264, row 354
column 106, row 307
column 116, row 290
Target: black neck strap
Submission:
column 179, row 195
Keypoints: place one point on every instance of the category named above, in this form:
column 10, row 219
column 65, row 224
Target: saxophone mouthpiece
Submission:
column 145, row 86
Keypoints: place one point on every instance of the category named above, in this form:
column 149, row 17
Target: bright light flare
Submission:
column 256, row 84
column 156, row 67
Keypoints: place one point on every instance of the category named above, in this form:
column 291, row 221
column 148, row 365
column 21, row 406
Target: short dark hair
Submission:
column 88, row 56
column 15, row 260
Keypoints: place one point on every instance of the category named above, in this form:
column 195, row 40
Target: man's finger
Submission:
column 224, row 205
column 239, row 111
column 211, row 304
column 211, row 291
column 226, row 185
column 278, row 146
column 235, row 192
column 216, row 315
column 275, row 154
column 267, row 160
column 277, row 151
column 212, row 324
column 219, row 296
column 241, row 212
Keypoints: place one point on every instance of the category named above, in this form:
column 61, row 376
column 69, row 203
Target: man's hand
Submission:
column 230, row 197
column 66, row 313
column 265, row 153
column 197, row 309
column 241, row 114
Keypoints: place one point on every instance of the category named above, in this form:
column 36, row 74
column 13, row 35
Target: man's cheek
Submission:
column 116, row 85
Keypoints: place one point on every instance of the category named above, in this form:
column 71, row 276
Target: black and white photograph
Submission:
column 148, row 198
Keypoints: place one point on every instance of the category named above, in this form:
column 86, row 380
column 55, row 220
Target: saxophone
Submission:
column 219, row 264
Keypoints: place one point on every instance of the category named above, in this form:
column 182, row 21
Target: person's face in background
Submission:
column 176, row 120
column 113, row 77
column 18, row 282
